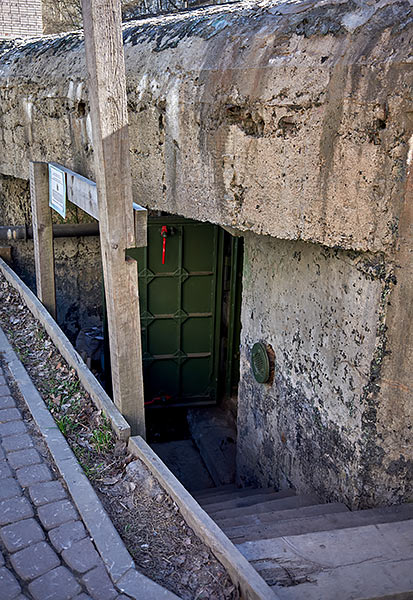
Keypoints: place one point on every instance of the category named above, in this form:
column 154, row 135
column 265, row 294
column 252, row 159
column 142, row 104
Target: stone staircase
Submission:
column 312, row 551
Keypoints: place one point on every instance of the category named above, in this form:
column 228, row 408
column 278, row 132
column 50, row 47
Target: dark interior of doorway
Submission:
column 197, row 433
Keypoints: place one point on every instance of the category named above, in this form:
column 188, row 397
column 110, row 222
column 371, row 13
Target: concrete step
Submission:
column 324, row 522
column 271, row 505
column 270, row 517
column 209, row 496
column 221, row 489
column 183, row 459
column 372, row 561
column 215, row 436
column 236, row 500
column 387, row 580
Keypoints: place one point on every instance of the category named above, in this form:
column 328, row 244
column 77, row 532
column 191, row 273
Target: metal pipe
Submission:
column 22, row 232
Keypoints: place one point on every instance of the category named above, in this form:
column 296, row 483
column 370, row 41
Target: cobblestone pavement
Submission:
column 45, row 551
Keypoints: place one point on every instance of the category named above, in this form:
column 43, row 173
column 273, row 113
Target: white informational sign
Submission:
column 57, row 190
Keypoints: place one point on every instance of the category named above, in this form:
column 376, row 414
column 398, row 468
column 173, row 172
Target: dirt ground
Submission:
column 163, row 546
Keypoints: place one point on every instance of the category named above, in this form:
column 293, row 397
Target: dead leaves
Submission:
column 148, row 520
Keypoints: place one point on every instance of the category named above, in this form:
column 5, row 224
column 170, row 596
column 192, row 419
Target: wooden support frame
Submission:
column 83, row 193
column 43, row 236
column 102, row 24
column 128, row 393
column 122, row 223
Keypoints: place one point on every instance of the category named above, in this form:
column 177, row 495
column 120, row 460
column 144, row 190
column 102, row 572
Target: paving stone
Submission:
column 64, row 536
column 34, row 561
column 21, row 534
column 17, row 442
column 24, row 458
column 2, row 455
column 56, row 513
column 99, row 585
column 58, row 584
column 15, row 509
column 9, row 414
column 82, row 556
column 1, row 559
column 4, row 390
column 48, row 491
column 85, row 597
column 2, row 380
column 12, row 428
column 5, row 470
column 7, row 402
column 33, row 474
column 9, row 488
column 9, row 587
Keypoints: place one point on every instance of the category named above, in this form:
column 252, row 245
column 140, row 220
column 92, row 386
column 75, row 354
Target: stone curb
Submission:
column 251, row 585
column 109, row 544
column 119, row 424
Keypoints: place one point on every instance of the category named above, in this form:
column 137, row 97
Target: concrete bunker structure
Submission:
column 291, row 123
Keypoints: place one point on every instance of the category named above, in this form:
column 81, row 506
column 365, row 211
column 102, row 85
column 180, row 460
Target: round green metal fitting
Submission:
column 260, row 362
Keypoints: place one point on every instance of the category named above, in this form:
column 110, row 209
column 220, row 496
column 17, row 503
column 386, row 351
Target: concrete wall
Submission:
column 264, row 118
column 321, row 312
column 20, row 18
column 292, row 123
column 77, row 261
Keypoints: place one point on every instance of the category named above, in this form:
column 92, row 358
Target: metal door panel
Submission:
column 180, row 311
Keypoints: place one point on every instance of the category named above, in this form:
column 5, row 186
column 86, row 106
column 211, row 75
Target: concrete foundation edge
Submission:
column 119, row 424
column 109, row 544
column 250, row 583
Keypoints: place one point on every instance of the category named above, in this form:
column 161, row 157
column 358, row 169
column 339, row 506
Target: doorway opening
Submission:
column 190, row 301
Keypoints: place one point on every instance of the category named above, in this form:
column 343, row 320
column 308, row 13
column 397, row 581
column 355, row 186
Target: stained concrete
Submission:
column 315, row 426
column 374, row 561
column 263, row 113
column 318, row 310
column 290, row 122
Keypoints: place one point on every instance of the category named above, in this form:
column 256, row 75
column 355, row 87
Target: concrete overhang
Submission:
column 289, row 119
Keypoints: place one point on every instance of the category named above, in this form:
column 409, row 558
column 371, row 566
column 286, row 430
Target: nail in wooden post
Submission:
column 43, row 236
column 108, row 111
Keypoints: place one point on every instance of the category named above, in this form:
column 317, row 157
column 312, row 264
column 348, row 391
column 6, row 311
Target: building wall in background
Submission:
column 20, row 18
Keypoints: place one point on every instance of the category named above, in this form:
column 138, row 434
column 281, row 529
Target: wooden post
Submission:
column 43, row 236
column 108, row 111
column 5, row 254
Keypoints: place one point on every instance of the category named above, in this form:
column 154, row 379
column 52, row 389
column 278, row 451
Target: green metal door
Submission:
column 180, row 287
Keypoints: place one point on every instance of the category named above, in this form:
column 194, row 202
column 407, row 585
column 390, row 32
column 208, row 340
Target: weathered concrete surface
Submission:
column 351, row 564
column 259, row 116
column 77, row 261
column 391, row 375
column 323, row 312
column 288, row 119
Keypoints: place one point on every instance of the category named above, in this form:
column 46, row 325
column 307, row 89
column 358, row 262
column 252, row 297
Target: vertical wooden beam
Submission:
column 141, row 226
column 5, row 254
column 43, row 236
column 108, row 111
